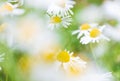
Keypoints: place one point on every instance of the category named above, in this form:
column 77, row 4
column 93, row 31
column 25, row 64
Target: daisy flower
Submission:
column 69, row 63
column 84, row 29
column 7, row 8
column 62, row 7
column 58, row 20
column 94, row 35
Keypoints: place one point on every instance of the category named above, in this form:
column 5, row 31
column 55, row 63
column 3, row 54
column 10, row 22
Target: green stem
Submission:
column 6, row 78
column 94, row 56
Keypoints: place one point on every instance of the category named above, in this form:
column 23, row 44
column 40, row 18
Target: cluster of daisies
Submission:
column 90, row 33
column 60, row 16
column 60, row 13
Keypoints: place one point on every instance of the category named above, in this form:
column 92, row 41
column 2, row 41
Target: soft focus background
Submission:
column 23, row 38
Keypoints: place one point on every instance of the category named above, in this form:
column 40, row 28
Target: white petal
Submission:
column 75, row 32
column 104, row 37
column 18, row 11
column 79, row 35
column 85, row 40
column 102, row 27
column 94, row 25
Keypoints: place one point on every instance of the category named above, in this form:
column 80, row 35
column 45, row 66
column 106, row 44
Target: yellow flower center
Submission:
column 56, row 19
column 95, row 33
column 63, row 57
column 7, row 7
column 85, row 27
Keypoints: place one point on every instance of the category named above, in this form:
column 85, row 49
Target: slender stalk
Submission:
column 94, row 56
column 6, row 77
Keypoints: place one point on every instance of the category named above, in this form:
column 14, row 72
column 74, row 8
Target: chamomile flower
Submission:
column 9, row 9
column 58, row 20
column 94, row 35
column 69, row 63
column 62, row 7
column 84, row 29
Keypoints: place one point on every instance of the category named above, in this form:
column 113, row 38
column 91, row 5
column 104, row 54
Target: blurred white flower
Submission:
column 95, row 35
column 9, row 9
column 38, row 4
column 29, row 34
column 97, row 77
column 84, row 29
column 70, row 64
column 58, row 20
column 45, row 73
column 94, row 73
column 90, row 13
column 111, row 8
column 113, row 32
column 62, row 7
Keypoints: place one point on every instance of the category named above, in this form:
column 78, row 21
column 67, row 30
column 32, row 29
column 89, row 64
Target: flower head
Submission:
column 94, row 35
column 69, row 63
column 63, row 57
column 10, row 9
column 58, row 20
column 84, row 29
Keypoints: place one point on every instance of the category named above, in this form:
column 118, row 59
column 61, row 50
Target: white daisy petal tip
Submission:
column 62, row 7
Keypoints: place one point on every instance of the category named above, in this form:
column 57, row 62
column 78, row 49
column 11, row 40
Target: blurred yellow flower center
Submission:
column 56, row 19
column 95, row 33
column 85, row 27
column 63, row 57
column 74, row 70
column 2, row 27
column 8, row 7
column 25, row 64
column 49, row 57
